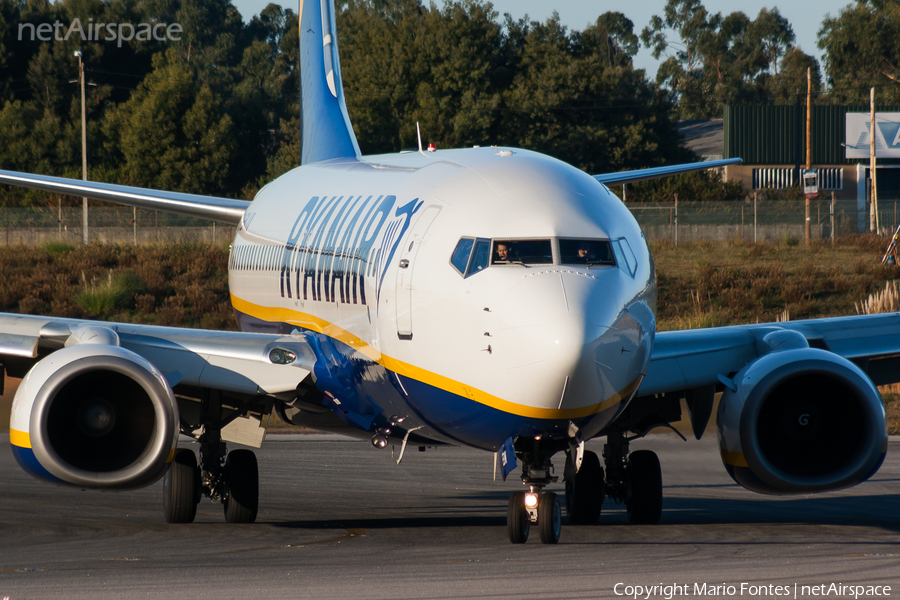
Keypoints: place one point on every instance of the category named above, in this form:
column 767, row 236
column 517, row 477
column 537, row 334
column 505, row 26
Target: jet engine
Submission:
column 801, row 420
column 94, row 416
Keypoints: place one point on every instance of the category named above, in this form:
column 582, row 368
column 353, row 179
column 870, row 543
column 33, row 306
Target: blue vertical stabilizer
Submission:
column 326, row 130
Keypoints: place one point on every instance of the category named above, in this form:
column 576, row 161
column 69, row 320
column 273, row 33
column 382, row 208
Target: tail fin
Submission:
column 326, row 130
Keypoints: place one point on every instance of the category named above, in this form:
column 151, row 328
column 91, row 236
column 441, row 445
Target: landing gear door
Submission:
column 405, row 272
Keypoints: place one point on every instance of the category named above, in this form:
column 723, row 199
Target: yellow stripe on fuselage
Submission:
column 19, row 438
column 306, row 321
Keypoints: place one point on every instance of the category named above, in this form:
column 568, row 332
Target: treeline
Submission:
column 214, row 109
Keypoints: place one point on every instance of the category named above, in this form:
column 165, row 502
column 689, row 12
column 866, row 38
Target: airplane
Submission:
column 489, row 297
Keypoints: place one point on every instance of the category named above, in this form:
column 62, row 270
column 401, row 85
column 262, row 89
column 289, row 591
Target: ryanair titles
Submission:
column 336, row 242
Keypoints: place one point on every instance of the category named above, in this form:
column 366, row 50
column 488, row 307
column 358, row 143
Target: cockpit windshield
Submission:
column 525, row 252
column 586, row 252
column 473, row 255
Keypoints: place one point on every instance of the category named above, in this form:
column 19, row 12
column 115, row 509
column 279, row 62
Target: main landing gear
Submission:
column 231, row 478
column 634, row 480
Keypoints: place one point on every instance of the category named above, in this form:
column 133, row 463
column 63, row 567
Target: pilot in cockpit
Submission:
column 502, row 252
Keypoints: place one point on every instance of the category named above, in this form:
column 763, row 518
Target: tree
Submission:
column 172, row 133
column 788, row 86
column 861, row 51
column 574, row 99
column 720, row 60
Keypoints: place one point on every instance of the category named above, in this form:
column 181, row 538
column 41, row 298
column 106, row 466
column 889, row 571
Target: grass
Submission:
column 707, row 284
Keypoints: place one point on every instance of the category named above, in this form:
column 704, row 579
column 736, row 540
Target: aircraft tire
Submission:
column 549, row 518
column 585, row 492
column 241, row 501
column 518, row 523
column 181, row 488
column 643, row 498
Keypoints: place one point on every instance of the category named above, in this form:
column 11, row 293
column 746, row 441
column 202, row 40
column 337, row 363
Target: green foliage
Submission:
column 861, row 52
column 700, row 185
column 720, row 60
column 116, row 293
column 216, row 111
column 53, row 248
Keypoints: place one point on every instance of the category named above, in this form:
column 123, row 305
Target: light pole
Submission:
column 84, row 218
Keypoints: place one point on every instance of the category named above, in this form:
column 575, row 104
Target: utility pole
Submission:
column 873, row 207
column 808, row 139
column 84, row 217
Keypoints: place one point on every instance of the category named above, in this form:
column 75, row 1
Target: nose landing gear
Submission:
column 535, row 506
column 632, row 479
column 530, row 507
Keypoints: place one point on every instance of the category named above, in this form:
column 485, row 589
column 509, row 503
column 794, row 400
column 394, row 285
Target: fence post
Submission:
column 754, row 217
column 134, row 224
column 832, row 217
column 676, row 219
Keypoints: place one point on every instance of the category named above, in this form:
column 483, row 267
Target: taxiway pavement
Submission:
column 339, row 519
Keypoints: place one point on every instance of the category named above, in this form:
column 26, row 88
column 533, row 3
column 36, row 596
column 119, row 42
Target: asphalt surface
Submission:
column 339, row 519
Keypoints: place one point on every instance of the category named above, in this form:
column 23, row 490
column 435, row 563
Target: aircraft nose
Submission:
column 557, row 340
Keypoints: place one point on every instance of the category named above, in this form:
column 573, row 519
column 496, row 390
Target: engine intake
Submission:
column 97, row 416
column 800, row 421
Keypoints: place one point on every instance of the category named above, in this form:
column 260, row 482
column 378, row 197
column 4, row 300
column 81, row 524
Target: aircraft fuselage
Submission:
column 359, row 252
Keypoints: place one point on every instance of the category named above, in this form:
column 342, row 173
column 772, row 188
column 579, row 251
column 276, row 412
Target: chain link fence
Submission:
column 762, row 220
column 37, row 226
column 770, row 221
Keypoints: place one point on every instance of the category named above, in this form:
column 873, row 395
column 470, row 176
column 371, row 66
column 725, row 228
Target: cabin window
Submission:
column 586, row 252
column 522, row 252
column 460, row 257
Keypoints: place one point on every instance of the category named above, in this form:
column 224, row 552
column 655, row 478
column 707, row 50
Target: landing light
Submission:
column 531, row 500
column 279, row 356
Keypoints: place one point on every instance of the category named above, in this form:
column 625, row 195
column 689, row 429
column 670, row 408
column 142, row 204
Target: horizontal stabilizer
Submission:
column 224, row 210
column 657, row 172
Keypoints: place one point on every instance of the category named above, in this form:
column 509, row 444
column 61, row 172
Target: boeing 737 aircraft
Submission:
column 487, row 297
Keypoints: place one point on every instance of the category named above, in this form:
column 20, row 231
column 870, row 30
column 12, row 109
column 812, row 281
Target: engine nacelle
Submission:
column 799, row 421
column 94, row 416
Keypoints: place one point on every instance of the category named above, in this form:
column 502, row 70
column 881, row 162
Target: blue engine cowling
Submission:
column 94, row 416
column 801, row 420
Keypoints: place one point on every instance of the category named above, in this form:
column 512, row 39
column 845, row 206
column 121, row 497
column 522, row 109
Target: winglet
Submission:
column 326, row 130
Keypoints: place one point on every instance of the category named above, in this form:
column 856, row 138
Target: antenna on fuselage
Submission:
column 419, row 135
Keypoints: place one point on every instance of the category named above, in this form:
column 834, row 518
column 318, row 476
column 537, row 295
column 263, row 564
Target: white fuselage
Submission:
column 360, row 251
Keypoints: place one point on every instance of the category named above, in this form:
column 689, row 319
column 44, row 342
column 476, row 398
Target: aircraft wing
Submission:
column 237, row 362
column 624, row 177
column 224, row 210
column 694, row 363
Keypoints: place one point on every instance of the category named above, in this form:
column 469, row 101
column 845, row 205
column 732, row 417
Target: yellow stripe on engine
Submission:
column 313, row 323
column 19, row 438
column 735, row 459
column 171, row 456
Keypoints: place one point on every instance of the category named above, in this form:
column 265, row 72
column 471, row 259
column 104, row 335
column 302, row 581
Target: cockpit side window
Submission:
column 481, row 257
column 586, row 252
column 524, row 252
column 625, row 256
column 460, row 257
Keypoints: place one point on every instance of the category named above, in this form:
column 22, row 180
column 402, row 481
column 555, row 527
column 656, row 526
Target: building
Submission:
column 772, row 142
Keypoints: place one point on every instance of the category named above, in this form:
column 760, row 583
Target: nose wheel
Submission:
column 536, row 507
